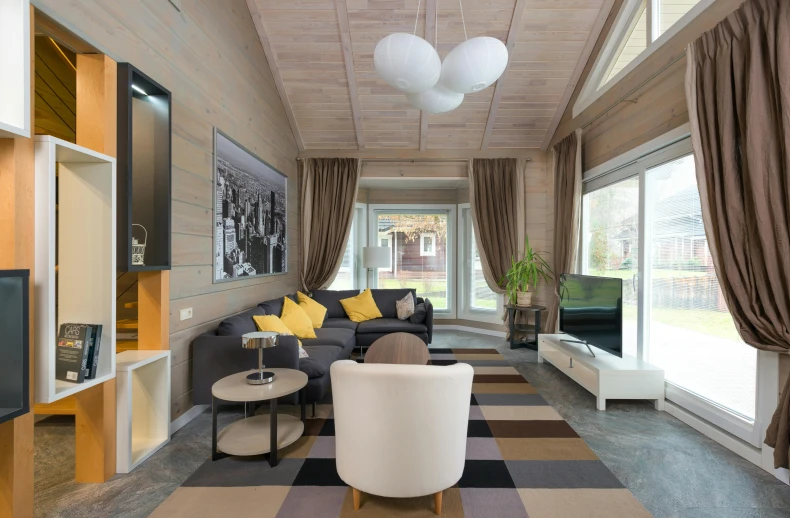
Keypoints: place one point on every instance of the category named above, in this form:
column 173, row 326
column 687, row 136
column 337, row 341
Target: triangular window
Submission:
column 640, row 28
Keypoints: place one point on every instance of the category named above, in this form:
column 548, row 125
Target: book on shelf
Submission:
column 93, row 358
column 75, row 343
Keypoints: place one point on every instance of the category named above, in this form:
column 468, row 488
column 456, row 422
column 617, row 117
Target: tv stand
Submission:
column 605, row 376
column 580, row 342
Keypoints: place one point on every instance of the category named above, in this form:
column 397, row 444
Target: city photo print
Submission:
column 249, row 213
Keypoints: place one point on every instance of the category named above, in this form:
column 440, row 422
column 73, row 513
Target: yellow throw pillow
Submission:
column 274, row 324
column 295, row 319
column 314, row 310
column 362, row 307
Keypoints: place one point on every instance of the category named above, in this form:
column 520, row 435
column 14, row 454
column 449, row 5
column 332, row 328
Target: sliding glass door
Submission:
column 691, row 333
column 643, row 223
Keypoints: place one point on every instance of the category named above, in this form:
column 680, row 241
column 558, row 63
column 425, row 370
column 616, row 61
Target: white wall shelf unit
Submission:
column 15, row 66
column 606, row 376
column 75, row 257
column 143, row 406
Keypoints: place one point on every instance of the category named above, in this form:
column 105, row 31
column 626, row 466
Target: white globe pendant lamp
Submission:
column 407, row 62
column 436, row 100
column 474, row 65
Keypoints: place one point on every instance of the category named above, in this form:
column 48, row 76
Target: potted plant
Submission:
column 523, row 273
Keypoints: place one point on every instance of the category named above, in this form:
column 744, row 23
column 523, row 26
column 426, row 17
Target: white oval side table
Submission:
column 247, row 437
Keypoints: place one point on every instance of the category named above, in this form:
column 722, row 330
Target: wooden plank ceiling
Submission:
column 317, row 48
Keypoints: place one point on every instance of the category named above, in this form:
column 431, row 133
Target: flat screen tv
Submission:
column 14, row 344
column 591, row 311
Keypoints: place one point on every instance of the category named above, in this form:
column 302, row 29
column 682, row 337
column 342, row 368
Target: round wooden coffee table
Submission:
column 401, row 348
column 248, row 436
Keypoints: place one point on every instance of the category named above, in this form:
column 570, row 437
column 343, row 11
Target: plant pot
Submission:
column 524, row 298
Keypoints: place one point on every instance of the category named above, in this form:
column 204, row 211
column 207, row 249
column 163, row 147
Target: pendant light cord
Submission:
column 417, row 19
column 460, row 3
column 435, row 27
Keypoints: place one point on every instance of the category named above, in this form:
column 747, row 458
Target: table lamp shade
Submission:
column 376, row 257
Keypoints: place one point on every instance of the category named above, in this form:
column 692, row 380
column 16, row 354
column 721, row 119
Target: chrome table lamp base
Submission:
column 260, row 377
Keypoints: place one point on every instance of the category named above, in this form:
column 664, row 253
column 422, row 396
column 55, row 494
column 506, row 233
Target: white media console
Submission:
column 606, row 376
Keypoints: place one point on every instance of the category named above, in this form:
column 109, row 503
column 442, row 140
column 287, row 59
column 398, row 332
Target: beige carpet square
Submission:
column 589, row 503
column 503, row 388
column 545, row 448
column 189, row 502
column 469, row 357
column 520, row 413
column 420, row 507
column 480, row 369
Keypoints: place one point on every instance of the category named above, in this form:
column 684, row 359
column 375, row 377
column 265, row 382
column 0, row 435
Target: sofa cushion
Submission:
column 330, row 299
column 240, row 324
column 329, row 336
column 297, row 320
column 386, row 299
column 340, row 323
column 390, row 325
column 314, row 310
column 362, row 307
column 275, row 306
column 420, row 314
column 319, row 359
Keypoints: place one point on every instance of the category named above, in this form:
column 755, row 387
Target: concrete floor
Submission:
column 672, row 469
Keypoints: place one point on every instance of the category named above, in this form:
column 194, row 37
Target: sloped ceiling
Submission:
column 321, row 53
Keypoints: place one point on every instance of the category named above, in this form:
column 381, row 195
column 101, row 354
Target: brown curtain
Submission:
column 567, row 218
column 498, row 207
column 738, row 93
column 328, row 192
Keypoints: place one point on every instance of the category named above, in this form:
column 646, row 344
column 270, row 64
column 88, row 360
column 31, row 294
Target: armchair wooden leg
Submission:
column 357, row 495
column 437, row 501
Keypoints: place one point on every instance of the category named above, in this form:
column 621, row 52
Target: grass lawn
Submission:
column 713, row 323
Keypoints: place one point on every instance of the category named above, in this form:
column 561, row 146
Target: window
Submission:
column 692, row 335
column 641, row 27
column 428, row 244
column 421, row 242
column 351, row 276
column 610, row 226
column 477, row 300
column 643, row 224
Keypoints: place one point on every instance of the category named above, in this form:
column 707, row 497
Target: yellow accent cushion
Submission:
column 296, row 319
column 272, row 323
column 314, row 310
column 362, row 307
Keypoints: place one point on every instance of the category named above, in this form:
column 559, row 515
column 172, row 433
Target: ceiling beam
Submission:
column 429, row 154
column 512, row 35
column 348, row 56
column 592, row 39
column 270, row 57
column 430, row 29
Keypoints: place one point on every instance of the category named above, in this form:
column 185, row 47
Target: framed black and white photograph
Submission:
column 250, row 199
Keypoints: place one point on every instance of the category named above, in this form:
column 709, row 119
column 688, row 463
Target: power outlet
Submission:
column 185, row 314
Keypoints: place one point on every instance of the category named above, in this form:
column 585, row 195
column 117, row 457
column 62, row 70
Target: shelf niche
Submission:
column 144, row 171
column 75, row 208
column 15, row 66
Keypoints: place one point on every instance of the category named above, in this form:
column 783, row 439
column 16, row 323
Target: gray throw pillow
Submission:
column 420, row 314
column 405, row 307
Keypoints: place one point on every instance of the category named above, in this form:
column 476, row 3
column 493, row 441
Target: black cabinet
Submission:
column 14, row 344
column 144, row 172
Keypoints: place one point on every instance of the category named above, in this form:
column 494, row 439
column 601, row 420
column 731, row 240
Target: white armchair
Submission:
column 400, row 429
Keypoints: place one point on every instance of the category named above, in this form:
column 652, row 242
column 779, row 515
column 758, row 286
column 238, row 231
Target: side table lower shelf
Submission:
column 250, row 436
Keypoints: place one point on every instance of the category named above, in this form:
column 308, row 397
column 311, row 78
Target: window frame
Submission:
column 594, row 88
column 432, row 251
column 709, row 411
column 465, row 309
column 438, row 208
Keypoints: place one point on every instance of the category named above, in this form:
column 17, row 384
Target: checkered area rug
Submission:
column 522, row 460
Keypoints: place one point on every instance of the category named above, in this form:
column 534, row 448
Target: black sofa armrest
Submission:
column 214, row 357
column 429, row 319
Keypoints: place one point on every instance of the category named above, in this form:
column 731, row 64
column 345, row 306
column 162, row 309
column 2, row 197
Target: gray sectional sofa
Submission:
column 218, row 353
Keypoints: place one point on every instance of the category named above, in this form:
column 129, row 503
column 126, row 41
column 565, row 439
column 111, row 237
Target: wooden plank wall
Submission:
column 209, row 56
column 654, row 109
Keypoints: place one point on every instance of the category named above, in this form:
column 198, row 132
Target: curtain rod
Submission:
column 415, row 160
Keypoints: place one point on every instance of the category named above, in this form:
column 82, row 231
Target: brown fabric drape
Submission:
column 567, row 218
column 496, row 200
column 328, row 192
column 738, row 93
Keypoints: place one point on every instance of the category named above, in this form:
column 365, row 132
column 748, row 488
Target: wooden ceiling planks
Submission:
column 321, row 48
